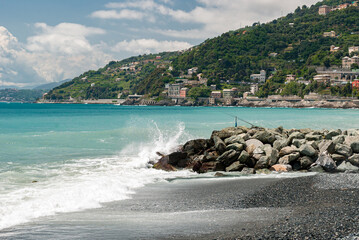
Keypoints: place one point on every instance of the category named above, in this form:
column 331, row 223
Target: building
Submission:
column 229, row 93
column 290, row 78
column 347, row 62
column 174, row 90
column 192, row 70
column 329, row 34
column 322, row 78
column 324, row 10
column 355, row 84
column 216, row 94
column 184, row 92
column 135, row 96
column 254, row 88
column 353, row 49
column 261, row 77
column 213, row 87
column 334, row 48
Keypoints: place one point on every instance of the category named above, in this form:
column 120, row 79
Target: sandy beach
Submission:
column 323, row 206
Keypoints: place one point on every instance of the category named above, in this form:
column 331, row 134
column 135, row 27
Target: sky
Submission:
column 43, row 41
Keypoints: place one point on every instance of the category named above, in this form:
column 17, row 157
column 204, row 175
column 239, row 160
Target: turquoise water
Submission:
column 63, row 158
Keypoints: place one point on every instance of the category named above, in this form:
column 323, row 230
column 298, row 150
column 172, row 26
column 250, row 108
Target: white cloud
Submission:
column 123, row 14
column 140, row 46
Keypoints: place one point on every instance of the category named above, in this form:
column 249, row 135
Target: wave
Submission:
column 30, row 192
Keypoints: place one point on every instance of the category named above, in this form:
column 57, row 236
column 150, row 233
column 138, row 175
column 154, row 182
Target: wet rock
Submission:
column 289, row 158
column 228, row 157
column 263, row 171
column 195, row 146
column 219, row 144
column 163, row 164
column 208, row 167
column 244, row 158
column 305, row 162
column 210, row 156
column 354, row 159
column 263, row 162
column 343, row 150
column 347, row 166
column 247, row 170
column 316, row 168
column 287, row 150
column 328, row 146
column 236, row 166
column 307, row 150
column 281, row 168
column 326, row 162
column 235, row 146
column 219, row 174
column 178, row 159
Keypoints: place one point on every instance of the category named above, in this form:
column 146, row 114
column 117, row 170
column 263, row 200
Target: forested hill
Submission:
column 293, row 44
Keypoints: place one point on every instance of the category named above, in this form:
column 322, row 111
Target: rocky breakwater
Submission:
column 261, row 150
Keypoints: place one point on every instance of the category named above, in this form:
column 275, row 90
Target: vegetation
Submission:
column 293, row 44
column 20, row 95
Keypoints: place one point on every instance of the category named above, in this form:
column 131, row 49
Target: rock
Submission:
column 281, row 168
column 272, row 154
column 338, row 139
column 326, row 162
column 218, row 174
column 343, row 150
column 236, row 166
column 347, row 166
column 210, row 156
column 307, row 150
column 296, row 165
column 354, row 159
column 252, row 144
column 208, row 167
column 333, row 133
column 263, row 162
column 244, row 158
column 195, row 146
column 163, row 164
column 328, row 146
column 295, row 135
column 234, row 139
column 305, row 162
column 263, row 171
column 219, row 144
column 228, row 157
column 298, row 142
column 289, row 158
column 279, row 129
column 312, row 137
column 313, row 144
column 338, row 157
column 235, row 146
column 355, row 146
column 316, row 168
column 287, row 150
column 247, row 170
column 265, row 136
column 177, row 159
column 280, row 143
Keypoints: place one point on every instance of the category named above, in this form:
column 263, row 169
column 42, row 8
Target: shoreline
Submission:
column 259, row 208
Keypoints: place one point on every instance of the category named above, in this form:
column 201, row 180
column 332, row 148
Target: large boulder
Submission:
column 265, row 136
column 328, row 146
column 313, row 137
column 295, row 135
column 252, row 144
column 289, row 158
column 196, row 146
column 178, row 159
column 235, row 146
column 333, row 133
column 236, row 166
column 263, row 162
column 338, row 158
column 235, row 139
column 208, row 167
column 210, row 156
column 163, row 164
column 326, row 162
column 280, row 143
column 244, row 158
column 347, row 166
column 287, row 150
column 219, row 144
column 307, row 150
column 338, row 139
column 354, row 159
column 272, row 154
column 343, row 150
column 228, row 157
column 305, row 162
column 298, row 142
column 281, row 168
column 247, row 170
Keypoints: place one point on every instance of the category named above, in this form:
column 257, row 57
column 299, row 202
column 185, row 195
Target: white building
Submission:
column 261, row 77
column 353, row 49
column 254, row 88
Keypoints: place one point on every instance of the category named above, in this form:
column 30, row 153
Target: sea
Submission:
column 57, row 159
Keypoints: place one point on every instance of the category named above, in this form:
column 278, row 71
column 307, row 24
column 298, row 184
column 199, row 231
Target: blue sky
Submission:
column 43, row 41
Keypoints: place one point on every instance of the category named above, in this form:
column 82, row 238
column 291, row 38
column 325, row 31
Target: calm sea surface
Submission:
column 66, row 158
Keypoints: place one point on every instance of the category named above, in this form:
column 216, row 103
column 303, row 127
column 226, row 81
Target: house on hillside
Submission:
column 254, row 88
column 261, row 77
column 334, row 48
column 329, row 34
column 324, row 10
column 347, row 62
column 353, row 49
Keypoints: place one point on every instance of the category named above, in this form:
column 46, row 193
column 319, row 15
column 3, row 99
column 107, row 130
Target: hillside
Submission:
column 293, row 44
